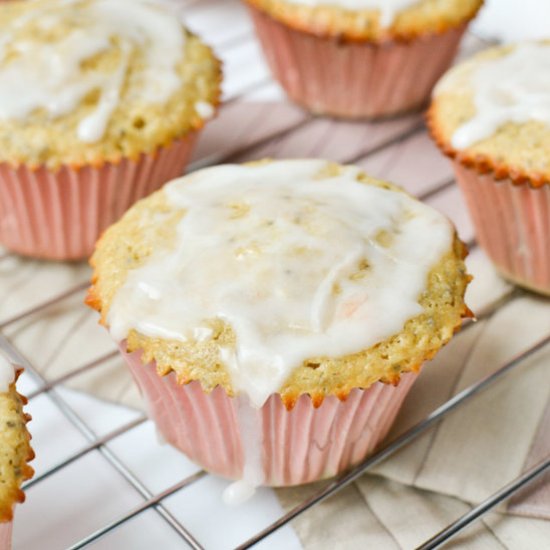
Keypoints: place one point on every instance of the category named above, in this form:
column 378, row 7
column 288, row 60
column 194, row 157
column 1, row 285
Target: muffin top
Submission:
column 493, row 112
column 15, row 449
column 290, row 276
column 92, row 81
column 373, row 20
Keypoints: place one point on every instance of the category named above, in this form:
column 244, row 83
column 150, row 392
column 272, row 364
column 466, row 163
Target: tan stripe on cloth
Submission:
column 470, row 454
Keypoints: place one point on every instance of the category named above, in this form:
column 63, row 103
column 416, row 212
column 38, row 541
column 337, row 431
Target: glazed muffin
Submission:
column 100, row 104
column 491, row 116
column 275, row 314
column 360, row 58
column 15, row 450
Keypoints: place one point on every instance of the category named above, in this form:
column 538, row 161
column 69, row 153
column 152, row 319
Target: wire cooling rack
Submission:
column 71, row 430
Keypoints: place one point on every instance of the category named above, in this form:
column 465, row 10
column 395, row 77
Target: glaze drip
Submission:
column 251, row 430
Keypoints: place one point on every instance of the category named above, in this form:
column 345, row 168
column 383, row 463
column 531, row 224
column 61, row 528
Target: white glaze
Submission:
column 271, row 273
column 204, row 109
column 7, row 373
column 513, row 88
column 49, row 75
column 250, row 426
column 388, row 8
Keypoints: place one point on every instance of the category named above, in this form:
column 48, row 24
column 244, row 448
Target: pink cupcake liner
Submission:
column 60, row 214
column 512, row 223
column 297, row 446
column 355, row 79
column 5, row 535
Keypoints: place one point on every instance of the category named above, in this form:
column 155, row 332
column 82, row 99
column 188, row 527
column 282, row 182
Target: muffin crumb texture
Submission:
column 152, row 226
column 15, row 452
column 492, row 113
column 94, row 81
column 371, row 20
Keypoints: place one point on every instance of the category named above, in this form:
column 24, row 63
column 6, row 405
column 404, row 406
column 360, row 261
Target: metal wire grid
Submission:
column 155, row 501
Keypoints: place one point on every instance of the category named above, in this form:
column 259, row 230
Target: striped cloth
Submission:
column 466, row 457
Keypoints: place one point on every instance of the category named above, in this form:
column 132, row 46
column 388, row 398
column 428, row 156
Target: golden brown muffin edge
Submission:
column 136, row 126
column 15, row 451
column 420, row 19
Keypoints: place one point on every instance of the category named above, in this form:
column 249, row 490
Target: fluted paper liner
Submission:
column 60, row 214
column 5, row 535
column 298, row 446
column 512, row 223
column 355, row 79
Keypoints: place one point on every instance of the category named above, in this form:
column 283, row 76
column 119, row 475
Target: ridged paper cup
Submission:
column 512, row 223
column 354, row 79
column 298, row 446
column 59, row 214
column 5, row 535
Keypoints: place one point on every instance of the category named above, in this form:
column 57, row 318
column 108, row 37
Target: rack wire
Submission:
column 155, row 500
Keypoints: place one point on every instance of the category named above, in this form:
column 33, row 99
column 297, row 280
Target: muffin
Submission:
column 360, row 58
column 100, row 104
column 491, row 116
column 15, row 450
column 275, row 314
